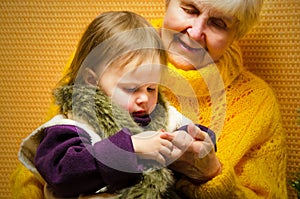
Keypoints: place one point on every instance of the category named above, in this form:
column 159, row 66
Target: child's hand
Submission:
column 150, row 145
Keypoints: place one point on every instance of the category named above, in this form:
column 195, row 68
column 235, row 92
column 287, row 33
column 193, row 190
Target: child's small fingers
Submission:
column 160, row 158
column 167, row 136
column 166, row 151
column 167, row 144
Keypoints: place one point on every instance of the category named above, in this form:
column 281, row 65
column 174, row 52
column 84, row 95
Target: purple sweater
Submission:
column 71, row 165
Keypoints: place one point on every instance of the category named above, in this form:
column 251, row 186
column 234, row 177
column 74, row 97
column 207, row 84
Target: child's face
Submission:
column 134, row 87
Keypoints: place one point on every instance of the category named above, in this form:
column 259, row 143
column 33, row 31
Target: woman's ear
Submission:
column 90, row 77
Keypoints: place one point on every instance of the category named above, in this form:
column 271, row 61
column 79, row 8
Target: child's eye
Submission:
column 151, row 89
column 130, row 90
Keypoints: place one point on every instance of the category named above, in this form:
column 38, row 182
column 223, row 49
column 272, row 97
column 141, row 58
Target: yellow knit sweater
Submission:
column 244, row 113
column 251, row 140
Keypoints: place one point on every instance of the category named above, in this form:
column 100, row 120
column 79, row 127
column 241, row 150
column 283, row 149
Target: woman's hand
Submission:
column 198, row 161
column 151, row 145
column 181, row 142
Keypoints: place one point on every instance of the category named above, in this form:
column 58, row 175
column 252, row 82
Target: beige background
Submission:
column 38, row 37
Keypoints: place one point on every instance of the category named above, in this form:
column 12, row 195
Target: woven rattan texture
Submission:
column 37, row 38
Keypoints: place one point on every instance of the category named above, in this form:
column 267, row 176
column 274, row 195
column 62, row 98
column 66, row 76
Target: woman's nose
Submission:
column 196, row 30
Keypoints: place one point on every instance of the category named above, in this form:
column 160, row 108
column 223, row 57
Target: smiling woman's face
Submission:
column 195, row 33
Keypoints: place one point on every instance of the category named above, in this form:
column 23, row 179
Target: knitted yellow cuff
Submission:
column 222, row 186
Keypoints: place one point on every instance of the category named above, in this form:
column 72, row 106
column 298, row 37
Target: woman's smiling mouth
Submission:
column 197, row 49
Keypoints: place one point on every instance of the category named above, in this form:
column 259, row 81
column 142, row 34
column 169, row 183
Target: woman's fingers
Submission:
column 196, row 132
column 206, row 147
column 182, row 140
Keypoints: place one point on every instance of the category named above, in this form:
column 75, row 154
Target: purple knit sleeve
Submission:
column 71, row 165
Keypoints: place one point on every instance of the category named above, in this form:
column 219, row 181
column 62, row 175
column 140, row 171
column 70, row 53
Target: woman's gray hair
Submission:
column 246, row 12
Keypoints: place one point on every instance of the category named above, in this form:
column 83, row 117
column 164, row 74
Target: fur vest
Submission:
column 92, row 105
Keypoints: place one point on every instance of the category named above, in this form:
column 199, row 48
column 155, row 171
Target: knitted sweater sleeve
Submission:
column 24, row 184
column 71, row 165
column 252, row 152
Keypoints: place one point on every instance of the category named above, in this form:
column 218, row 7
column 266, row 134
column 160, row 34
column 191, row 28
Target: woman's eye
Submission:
column 190, row 10
column 218, row 23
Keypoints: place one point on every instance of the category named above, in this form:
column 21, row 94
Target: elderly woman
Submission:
column 242, row 109
column 251, row 142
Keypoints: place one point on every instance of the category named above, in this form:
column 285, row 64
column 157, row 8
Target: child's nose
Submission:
column 142, row 97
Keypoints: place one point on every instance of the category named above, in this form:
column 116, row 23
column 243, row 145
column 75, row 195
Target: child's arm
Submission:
column 71, row 165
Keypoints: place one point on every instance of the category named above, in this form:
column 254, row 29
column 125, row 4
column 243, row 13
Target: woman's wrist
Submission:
column 217, row 172
column 210, row 168
column 206, row 178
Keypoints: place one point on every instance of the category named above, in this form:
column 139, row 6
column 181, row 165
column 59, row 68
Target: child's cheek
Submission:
column 130, row 108
column 129, row 105
column 123, row 100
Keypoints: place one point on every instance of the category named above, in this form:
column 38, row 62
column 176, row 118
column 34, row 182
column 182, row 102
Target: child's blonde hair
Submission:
column 116, row 36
